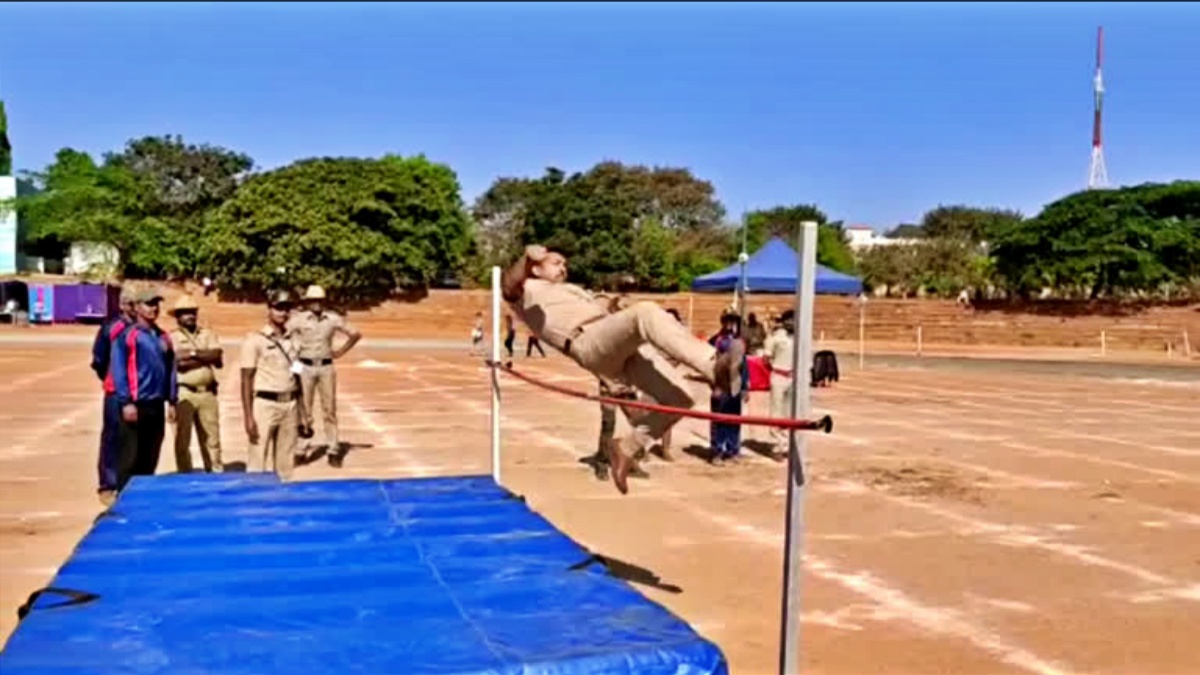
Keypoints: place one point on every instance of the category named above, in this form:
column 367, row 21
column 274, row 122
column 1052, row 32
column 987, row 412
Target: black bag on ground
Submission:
column 825, row 368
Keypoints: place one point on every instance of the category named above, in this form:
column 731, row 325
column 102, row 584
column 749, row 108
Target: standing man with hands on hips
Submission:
column 314, row 329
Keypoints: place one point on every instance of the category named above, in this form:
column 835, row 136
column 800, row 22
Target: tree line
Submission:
column 368, row 227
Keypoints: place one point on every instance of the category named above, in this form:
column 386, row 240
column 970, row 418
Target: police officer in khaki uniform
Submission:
column 314, row 329
column 271, row 402
column 198, row 356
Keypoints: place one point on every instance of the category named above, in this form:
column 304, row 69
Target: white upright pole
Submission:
column 793, row 551
column 862, row 329
column 496, row 374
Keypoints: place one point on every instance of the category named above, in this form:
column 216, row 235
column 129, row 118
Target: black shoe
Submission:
column 335, row 460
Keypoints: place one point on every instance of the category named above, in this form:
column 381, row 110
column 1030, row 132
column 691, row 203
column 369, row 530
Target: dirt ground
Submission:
column 959, row 519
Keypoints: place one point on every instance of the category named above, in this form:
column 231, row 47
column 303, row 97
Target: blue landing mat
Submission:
column 238, row 574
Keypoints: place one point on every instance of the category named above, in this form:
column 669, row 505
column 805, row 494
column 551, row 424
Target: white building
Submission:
column 91, row 259
column 863, row 237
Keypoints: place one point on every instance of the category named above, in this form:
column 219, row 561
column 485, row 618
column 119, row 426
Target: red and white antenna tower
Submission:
column 1098, row 173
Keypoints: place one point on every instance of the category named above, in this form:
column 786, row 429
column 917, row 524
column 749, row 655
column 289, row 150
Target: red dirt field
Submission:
column 959, row 518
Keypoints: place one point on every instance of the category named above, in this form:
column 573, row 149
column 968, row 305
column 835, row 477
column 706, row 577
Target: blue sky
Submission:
column 876, row 112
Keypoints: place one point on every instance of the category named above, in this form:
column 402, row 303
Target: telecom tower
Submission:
column 1098, row 173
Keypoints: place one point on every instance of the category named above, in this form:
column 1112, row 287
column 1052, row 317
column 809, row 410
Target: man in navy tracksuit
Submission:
column 110, row 430
column 143, row 368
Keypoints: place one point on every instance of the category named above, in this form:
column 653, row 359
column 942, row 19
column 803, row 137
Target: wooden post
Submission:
column 1103, row 343
column 1187, row 345
column 920, row 339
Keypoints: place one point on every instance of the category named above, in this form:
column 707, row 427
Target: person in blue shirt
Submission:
column 110, row 446
column 144, row 377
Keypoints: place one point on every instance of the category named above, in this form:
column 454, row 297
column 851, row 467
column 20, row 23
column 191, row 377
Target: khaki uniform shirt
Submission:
column 185, row 342
column 273, row 368
column 780, row 351
column 554, row 311
column 313, row 334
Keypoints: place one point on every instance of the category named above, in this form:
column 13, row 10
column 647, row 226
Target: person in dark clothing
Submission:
column 727, row 395
column 510, row 336
column 143, row 368
column 110, row 446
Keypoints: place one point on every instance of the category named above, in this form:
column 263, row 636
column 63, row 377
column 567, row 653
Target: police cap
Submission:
column 280, row 299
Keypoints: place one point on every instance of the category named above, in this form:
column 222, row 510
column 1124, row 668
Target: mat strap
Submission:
column 73, row 598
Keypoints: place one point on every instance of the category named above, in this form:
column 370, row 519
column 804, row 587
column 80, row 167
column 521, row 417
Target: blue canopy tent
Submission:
column 772, row 269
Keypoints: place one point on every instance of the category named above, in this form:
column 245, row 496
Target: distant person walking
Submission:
column 510, row 336
column 477, row 335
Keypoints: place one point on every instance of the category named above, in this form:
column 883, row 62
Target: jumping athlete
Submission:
column 578, row 324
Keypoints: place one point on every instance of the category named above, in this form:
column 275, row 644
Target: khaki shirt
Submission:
column 185, row 342
column 780, row 351
column 313, row 334
column 554, row 311
column 272, row 367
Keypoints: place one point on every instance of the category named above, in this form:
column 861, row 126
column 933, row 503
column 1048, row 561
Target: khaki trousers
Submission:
column 322, row 381
column 277, row 436
column 633, row 346
column 199, row 410
column 783, row 389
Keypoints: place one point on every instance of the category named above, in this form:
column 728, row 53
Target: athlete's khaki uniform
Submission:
column 576, row 323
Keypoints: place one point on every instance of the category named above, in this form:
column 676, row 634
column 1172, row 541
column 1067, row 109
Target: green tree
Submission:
column 894, row 268
column 77, row 200
column 833, row 247
column 1099, row 243
column 362, row 228
column 6, row 165
column 179, row 185
column 148, row 201
column 905, row 231
column 653, row 256
column 968, row 223
column 613, row 220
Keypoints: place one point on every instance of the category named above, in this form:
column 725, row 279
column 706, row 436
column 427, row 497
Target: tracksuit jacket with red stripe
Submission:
column 143, row 366
column 102, row 351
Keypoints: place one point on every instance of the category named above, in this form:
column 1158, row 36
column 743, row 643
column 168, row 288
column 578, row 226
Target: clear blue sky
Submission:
column 877, row 112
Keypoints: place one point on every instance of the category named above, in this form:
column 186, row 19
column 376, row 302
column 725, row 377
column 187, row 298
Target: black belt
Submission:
column 577, row 332
column 199, row 390
column 317, row 362
column 277, row 396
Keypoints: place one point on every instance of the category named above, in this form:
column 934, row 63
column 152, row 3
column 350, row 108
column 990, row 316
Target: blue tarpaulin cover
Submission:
column 773, row 269
column 239, row 574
